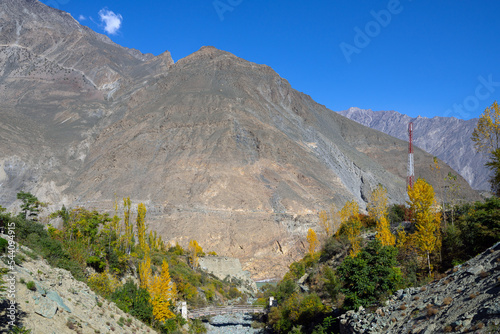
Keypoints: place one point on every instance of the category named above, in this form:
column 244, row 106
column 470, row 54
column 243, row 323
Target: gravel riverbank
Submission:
column 236, row 323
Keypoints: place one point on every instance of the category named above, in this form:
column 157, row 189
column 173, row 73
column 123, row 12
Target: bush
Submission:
column 31, row 286
column 370, row 276
column 131, row 299
column 3, row 245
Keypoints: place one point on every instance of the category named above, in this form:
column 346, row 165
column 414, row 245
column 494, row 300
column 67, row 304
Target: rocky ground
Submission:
column 465, row 301
column 59, row 304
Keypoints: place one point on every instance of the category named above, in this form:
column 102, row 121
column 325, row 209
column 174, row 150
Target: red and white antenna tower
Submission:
column 411, row 174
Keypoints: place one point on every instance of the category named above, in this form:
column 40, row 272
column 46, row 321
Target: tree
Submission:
column 425, row 218
column 30, row 206
column 377, row 208
column 369, row 276
column 162, row 291
column 329, row 224
column 194, row 250
column 351, row 225
column 312, row 239
column 494, row 166
column 453, row 192
column 141, row 228
column 486, row 137
column 129, row 228
column 145, row 272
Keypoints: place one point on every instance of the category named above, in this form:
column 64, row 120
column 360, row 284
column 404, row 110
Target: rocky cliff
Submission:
column 448, row 138
column 220, row 149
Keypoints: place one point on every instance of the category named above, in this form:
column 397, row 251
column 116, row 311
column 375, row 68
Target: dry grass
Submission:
column 402, row 307
column 416, row 298
column 472, row 296
column 432, row 311
column 484, row 274
column 447, row 300
column 448, row 329
column 423, row 288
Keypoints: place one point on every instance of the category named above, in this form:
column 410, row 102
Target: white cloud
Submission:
column 112, row 22
column 81, row 18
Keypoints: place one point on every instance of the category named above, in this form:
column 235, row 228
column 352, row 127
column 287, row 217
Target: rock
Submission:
column 56, row 298
column 475, row 270
column 46, row 308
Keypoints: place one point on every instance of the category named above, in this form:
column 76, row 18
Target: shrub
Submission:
column 31, row 286
column 447, row 300
column 104, row 283
column 370, row 275
column 3, row 245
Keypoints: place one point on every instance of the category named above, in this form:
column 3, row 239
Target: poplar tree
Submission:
column 351, row 225
column 194, row 249
column 377, row 209
column 141, row 228
column 486, row 138
column 426, row 218
column 312, row 239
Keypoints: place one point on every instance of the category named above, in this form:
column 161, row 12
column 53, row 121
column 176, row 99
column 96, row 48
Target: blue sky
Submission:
column 428, row 58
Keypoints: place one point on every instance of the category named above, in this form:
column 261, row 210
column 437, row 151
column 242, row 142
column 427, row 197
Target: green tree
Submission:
column 369, row 276
column 30, row 206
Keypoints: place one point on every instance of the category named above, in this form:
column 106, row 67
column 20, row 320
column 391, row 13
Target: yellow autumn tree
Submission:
column 377, row 209
column 141, row 228
column 312, row 239
column 145, row 272
column 486, row 135
column 426, row 219
column 194, row 250
column 329, row 223
column 162, row 293
column 351, row 225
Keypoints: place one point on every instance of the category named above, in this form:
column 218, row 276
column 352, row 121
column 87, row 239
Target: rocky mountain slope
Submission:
column 465, row 301
column 448, row 138
column 220, row 149
column 59, row 304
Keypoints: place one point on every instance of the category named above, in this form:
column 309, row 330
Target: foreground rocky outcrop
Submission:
column 59, row 304
column 465, row 301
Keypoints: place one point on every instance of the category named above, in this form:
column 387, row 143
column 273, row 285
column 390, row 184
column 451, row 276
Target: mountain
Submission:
column 220, row 149
column 448, row 138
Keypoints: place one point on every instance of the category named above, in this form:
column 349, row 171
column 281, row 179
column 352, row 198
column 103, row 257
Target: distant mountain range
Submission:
column 448, row 138
column 220, row 149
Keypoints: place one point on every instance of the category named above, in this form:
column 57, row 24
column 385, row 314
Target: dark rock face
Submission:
column 220, row 149
column 448, row 138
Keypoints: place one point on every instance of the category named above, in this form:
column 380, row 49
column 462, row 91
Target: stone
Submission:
column 475, row 270
column 58, row 300
column 46, row 308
